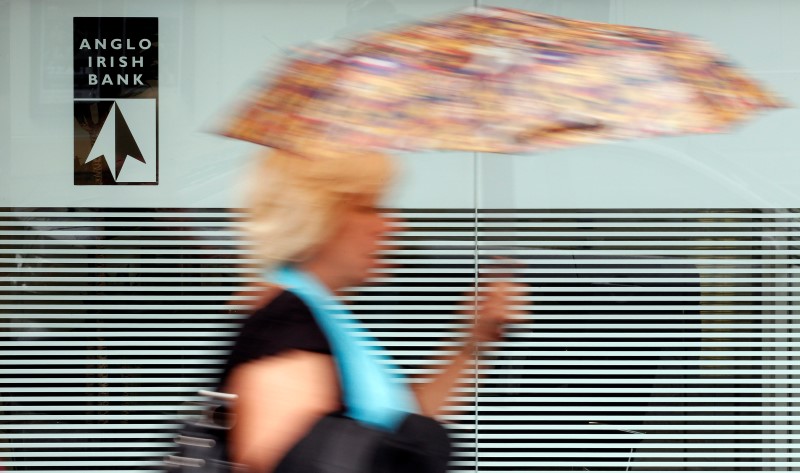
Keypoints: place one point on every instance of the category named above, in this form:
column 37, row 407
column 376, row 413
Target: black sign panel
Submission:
column 116, row 100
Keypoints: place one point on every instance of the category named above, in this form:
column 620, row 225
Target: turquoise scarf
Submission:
column 371, row 394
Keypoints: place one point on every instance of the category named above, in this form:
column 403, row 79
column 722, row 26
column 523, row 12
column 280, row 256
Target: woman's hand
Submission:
column 494, row 311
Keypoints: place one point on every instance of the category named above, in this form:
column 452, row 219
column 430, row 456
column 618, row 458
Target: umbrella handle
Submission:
column 505, row 267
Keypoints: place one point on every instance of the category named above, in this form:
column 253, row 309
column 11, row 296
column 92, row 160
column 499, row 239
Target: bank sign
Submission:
column 115, row 100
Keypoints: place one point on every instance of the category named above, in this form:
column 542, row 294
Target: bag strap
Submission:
column 371, row 394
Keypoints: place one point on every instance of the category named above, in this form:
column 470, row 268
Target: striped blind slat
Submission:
column 660, row 340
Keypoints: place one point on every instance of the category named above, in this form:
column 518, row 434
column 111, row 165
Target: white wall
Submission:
column 210, row 50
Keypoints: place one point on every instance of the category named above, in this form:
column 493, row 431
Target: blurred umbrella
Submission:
column 498, row 80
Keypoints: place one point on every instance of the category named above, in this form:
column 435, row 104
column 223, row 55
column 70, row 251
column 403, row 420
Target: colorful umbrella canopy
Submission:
column 498, row 80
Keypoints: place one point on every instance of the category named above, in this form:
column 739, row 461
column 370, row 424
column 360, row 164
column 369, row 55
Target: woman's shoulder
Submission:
column 281, row 307
column 283, row 323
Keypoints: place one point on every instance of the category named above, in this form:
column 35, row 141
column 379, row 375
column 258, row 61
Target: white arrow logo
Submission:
column 115, row 143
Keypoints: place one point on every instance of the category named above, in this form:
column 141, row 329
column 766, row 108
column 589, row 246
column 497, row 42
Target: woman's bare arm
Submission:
column 433, row 394
column 279, row 400
column 492, row 315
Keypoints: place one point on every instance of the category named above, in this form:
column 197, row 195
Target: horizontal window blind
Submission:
column 661, row 341
column 658, row 340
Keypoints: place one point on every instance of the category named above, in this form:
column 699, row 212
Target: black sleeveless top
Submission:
column 420, row 444
column 285, row 323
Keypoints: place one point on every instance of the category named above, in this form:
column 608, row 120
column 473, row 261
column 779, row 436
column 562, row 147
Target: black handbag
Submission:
column 335, row 444
column 339, row 444
column 201, row 444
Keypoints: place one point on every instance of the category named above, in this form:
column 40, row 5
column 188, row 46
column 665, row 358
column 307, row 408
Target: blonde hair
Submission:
column 295, row 200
